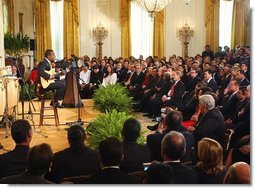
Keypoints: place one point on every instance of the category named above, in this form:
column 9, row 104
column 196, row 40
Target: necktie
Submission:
column 172, row 90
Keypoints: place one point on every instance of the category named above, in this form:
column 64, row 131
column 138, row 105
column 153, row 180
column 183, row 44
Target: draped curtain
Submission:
column 10, row 15
column 212, row 24
column 158, row 39
column 71, row 23
column 125, row 28
column 42, row 25
column 241, row 23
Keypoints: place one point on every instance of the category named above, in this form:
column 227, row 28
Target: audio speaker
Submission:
column 32, row 44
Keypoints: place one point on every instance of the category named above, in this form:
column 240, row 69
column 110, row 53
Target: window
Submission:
column 57, row 27
column 225, row 19
column 141, row 32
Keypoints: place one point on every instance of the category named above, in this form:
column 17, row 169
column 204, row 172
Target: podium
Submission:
column 72, row 97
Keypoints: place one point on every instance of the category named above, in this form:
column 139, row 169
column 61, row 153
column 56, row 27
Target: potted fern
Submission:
column 112, row 97
column 108, row 125
column 16, row 45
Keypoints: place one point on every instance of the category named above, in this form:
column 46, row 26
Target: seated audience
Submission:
column 210, row 167
column 172, row 122
column 159, row 173
column 39, row 161
column 76, row 160
column 238, row 173
column 84, row 80
column 210, row 80
column 15, row 161
column 110, row 77
column 134, row 154
column 211, row 125
column 111, row 156
column 172, row 149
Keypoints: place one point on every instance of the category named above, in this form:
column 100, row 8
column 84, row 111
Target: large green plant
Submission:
column 107, row 125
column 112, row 97
column 16, row 44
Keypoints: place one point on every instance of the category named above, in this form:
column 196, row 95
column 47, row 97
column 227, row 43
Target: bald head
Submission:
column 238, row 173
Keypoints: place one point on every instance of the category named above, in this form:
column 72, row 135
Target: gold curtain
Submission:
column 71, row 23
column 241, row 23
column 42, row 27
column 10, row 12
column 212, row 24
column 125, row 28
column 158, row 39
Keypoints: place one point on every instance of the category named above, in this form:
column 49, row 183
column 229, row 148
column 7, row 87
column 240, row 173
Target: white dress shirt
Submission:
column 85, row 76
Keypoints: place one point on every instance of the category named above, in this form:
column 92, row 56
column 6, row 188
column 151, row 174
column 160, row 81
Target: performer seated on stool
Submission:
column 48, row 80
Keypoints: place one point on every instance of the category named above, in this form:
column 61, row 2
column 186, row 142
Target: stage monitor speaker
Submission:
column 32, row 44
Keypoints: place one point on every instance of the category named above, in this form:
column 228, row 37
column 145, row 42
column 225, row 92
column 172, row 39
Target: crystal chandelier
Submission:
column 152, row 6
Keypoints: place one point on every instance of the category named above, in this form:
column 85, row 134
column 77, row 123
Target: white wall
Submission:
column 108, row 13
column 1, row 37
column 176, row 15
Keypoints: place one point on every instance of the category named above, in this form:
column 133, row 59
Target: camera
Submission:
column 146, row 166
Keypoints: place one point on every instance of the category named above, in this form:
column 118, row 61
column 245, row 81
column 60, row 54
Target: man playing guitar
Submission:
column 46, row 79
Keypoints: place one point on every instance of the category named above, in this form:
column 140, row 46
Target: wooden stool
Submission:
column 41, row 95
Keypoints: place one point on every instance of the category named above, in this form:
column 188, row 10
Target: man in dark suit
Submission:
column 210, row 80
column 172, row 148
column 134, row 154
column 136, row 81
column 120, row 72
column 111, row 155
column 15, row 161
column 243, row 81
column 211, row 125
column 193, row 79
column 39, row 161
column 244, row 67
column 172, row 122
column 174, row 96
column 208, row 52
column 76, row 160
column 58, row 85
column 229, row 102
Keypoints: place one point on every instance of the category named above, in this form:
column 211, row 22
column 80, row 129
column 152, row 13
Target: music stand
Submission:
column 79, row 120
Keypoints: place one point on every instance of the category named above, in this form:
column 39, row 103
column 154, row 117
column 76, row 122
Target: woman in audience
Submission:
column 210, row 167
column 110, row 78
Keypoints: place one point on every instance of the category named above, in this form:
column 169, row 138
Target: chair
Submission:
column 228, row 135
column 139, row 175
column 41, row 95
column 75, row 180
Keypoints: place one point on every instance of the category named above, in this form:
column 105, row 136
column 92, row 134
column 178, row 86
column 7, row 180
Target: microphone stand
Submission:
column 79, row 120
column 22, row 94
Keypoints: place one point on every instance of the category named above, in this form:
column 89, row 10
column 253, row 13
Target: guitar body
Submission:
column 45, row 83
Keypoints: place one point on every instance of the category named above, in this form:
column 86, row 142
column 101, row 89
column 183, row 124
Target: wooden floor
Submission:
column 57, row 136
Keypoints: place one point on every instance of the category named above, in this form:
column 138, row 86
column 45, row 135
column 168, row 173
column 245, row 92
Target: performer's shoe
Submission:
column 57, row 105
column 153, row 128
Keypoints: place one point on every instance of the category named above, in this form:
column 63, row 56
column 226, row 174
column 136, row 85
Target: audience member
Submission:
column 211, row 125
column 134, row 154
column 238, row 173
column 76, row 160
column 111, row 155
column 39, row 162
column 210, row 167
column 159, row 173
column 15, row 161
column 172, row 149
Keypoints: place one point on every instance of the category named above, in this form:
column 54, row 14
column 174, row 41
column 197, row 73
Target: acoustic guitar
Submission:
column 45, row 83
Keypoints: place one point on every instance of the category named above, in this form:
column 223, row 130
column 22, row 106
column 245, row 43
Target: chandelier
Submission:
column 152, row 6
